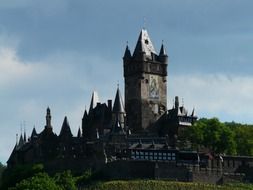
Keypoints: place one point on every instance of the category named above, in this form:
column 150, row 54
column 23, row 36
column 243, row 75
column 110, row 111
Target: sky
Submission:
column 56, row 52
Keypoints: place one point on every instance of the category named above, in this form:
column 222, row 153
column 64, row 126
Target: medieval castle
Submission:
column 138, row 139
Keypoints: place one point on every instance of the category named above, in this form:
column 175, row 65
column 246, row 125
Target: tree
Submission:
column 40, row 181
column 11, row 176
column 212, row 134
column 243, row 138
column 65, row 180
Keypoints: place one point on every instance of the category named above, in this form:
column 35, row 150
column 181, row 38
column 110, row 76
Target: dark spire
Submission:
column 34, row 133
column 94, row 101
column 24, row 135
column 162, row 51
column 118, row 106
column 144, row 45
column 79, row 133
column 127, row 54
column 65, row 129
column 85, row 115
column 193, row 112
column 21, row 141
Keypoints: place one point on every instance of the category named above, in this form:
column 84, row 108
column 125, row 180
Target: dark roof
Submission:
column 118, row 106
column 79, row 133
column 127, row 53
column 34, row 133
column 162, row 51
column 94, row 101
column 65, row 129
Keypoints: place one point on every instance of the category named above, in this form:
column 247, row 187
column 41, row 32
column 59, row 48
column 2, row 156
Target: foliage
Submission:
column 243, row 138
column 212, row 134
column 14, row 175
column 40, row 181
column 65, row 180
column 161, row 185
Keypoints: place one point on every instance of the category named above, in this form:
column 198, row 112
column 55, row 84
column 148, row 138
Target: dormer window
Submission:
column 146, row 41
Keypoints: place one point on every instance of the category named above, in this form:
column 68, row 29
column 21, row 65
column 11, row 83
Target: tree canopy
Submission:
column 229, row 138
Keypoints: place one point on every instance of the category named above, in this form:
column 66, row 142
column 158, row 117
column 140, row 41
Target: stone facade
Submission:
column 145, row 75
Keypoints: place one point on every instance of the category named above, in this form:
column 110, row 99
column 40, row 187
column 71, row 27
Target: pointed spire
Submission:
column 65, row 129
column 94, row 101
column 21, row 141
column 24, row 135
column 193, row 112
column 34, row 133
column 118, row 106
column 144, row 44
column 79, row 133
column 85, row 114
column 162, row 51
column 127, row 54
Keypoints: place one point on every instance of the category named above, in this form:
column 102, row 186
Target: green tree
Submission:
column 243, row 138
column 11, row 176
column 65, row 180
column 213, row 134
column 40, row 181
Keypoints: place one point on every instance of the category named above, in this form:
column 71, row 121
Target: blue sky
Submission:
column 55, row 53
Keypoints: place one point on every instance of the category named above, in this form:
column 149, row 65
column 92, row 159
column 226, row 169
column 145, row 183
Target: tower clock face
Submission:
column 153, row 87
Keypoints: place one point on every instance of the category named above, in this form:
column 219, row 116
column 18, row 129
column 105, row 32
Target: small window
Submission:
column 146, row 41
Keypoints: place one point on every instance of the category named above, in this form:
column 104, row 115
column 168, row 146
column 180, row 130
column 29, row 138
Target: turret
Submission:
column 79, row 134
column 163, row 57
column 127, row 54
column 118, row 112
column 65, row 129
column 94, row 101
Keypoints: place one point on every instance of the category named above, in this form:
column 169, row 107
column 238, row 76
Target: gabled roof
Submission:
column 118, row 106
column 144, row 44
column 65, row 129
column 94, row 100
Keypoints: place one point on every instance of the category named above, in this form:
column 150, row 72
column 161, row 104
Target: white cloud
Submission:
column 219, row 95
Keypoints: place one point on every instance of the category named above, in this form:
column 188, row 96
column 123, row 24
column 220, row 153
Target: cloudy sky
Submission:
column 56, row 52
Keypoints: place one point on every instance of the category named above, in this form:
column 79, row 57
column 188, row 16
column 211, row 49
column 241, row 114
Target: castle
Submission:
column 138, row 139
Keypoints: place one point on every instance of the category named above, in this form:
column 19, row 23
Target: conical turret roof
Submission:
column 79, row 133
column 65, row 129
column 94, row 100
column 34, row 132
column 162, row 51
column 118, row 106
column 127, row 53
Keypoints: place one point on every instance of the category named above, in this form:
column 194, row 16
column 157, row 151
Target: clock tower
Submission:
column 145, row 74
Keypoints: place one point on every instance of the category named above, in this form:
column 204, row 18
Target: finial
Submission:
column 162, row 41
column 182, row 101
column 118, row 84
column 127, row 42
